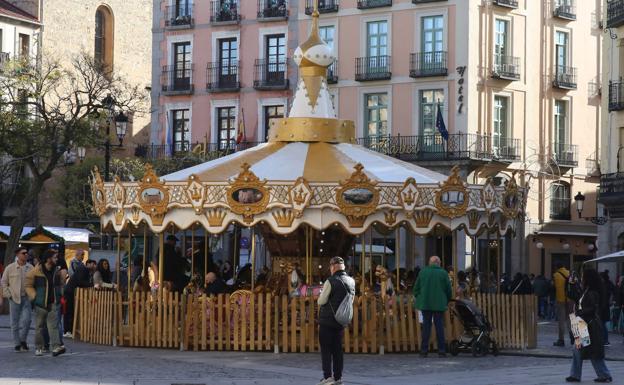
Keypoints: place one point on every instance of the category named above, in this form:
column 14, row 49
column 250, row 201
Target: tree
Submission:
column 47, row 109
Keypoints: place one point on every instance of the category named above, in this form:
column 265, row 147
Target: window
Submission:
column 271, row 112
column 432, row 34
column 182, row 8
column 275, row 57
column 561, row 125
column 499, row 132
column 327, row 34
column 226, row 127
column 501, row 44
column 24, row 46
column 560, row 201
column 377, row 38
column 376, row 114
column 182, row 65
column 103, row 47
column 430, row 101
column 180, row 130
column 228, row 60
column 561, row 50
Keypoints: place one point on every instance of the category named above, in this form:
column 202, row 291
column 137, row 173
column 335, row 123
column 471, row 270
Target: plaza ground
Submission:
column 95, row 364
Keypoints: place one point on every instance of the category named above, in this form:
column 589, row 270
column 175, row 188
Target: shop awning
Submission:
column 566, row 230
column 613, row 257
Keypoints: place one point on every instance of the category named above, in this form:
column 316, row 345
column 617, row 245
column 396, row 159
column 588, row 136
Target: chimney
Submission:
column 30, row 6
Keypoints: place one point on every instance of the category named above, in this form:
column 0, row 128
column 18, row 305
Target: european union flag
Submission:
column 440, row 124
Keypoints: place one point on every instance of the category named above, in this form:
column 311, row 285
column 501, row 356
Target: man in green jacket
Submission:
column 432, row 291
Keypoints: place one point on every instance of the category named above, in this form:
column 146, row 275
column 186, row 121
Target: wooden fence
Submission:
column 262, row 322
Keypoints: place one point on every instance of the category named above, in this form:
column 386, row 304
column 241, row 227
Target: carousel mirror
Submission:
column 247, row 195
column 358, row 196
column 453, row 198
column 99, row 196
column 152, row 195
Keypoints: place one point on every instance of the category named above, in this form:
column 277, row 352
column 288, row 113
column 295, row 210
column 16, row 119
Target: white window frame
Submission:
column 218, row 35
column 173, row 39
column 418, row 27
column 508, row 117
column 268, row 102
column 387, row 17
column 416, row 90
column 569, row 62
column 264, row 32
column 220, row 103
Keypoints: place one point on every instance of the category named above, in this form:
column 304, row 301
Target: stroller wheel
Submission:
column 494, row 348
column 478, row 349
column 454, row 347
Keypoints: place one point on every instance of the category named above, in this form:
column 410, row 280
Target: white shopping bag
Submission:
column 580, row 331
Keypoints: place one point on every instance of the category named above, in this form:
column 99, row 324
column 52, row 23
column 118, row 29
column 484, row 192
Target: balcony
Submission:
column 611, row 193
column 368, row 4
column 506, row 67
column 560, row 209
column 616, row 96
column 272, row 10
column 201, row 150
column 434, row 148
column 507, row 3
column 424, row 64
column 179, row 16
column 615, row 13
column 371, row 68
column 222, row 78
column 270, row 76
column 565, row 10
column 224, row 12
column 505, row 149
column 177, row 81
column 565, row 78
column 565, row 155
column 332, row 73
column 324, row 6
column 426, row 1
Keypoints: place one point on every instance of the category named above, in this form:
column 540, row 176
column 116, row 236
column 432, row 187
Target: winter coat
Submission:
column 588, row 308
column 340, row 282
column 541, row 286
column 37, row 286
column 432, row 289
column 12, row 280
column 560, row 277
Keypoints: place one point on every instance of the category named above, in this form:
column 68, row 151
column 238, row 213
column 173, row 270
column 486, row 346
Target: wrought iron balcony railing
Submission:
column 506, row 67
column 426, row 1
column 179, row 16
column 560, row 209
column 177, row 79
column 565, row 77
column 332, row 73
column 204, row 151
column 270, row 75
column 269, row 10
column 324, row 6
column 222, row 77
column 434, row 148
column 616, row 96
column 564, row 154
column 615, row 13
column 373, row 68
column 424, row 64
column 565, row 10
column 507, row 3
column 366, row 4
column 611, row 193
column 224, row 12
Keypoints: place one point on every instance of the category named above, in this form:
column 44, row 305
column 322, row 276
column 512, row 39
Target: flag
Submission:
column 440, row 124
column 240, row 136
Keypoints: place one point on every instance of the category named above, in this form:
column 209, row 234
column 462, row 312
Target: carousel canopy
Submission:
column 310, row 172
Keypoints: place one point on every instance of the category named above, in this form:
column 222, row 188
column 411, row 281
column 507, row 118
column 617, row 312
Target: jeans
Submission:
column 606, row 332
column 49, row 318
column 20, row 319
column 46, row 334
column 68, row 319
column 438, row 320
column 577, row 366
column 563, row 319
column 331, row 350
column 542, row 306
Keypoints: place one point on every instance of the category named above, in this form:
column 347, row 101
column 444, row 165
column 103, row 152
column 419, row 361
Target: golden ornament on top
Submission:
column 153, row 196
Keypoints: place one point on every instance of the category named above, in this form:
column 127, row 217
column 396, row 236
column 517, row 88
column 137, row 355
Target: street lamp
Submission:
column 69, row 158
column 579, row 198
column 121, row 126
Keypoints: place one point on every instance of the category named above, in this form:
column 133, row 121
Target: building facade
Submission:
column 515, row 82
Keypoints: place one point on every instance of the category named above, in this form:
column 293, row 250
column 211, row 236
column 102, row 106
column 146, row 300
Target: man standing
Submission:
column 335, row 289
column 78, row 259
column 560, row 278
column 432, row 291
column 80, row 278
column 43, row 286
column 13, row 281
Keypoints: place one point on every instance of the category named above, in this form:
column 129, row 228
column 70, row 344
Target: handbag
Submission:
column 580, row 331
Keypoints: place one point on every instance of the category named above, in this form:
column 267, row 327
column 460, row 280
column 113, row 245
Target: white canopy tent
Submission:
column 613, row 257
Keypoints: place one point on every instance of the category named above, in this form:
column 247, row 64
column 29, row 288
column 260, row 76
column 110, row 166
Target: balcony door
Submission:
column 182, row 66
column 501, row 44
column 500, row 129
column 271, row 112
column 182, row 8
column 275, row 58
column 377, row 46
column 228, row 62
column 432, row 43
column 430, row 140
column 561, row 132
column 226, row 127
column 560, row 199
column 561, row 55
column 180, row 130
column 376, row 117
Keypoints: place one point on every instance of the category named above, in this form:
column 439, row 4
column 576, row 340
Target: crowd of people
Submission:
column 44, row 288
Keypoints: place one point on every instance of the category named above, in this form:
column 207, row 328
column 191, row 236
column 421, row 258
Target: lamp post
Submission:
column 69, row 158
column 121, row 127
column 579, row 198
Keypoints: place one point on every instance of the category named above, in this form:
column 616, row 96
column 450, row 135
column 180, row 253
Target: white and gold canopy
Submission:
column 310, row 172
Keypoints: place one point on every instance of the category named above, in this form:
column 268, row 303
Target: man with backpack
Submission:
column 560, row 278
column 432, row 292
column 335, row 313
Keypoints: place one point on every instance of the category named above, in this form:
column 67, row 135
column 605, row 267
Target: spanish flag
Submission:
column 240, row 136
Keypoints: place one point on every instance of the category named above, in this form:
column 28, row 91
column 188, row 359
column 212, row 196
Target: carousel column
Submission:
column 161, row 262
column 145, row 249
column 192, row 252
column 454, row 251
column 129, row 262
column 206, row 240
column 253, row 258
column 498, row 260
column 117, row 261
column 397, row 258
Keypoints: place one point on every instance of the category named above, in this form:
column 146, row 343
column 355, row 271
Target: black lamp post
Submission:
column 579, row 198
column 69, row 158
column 121, row 127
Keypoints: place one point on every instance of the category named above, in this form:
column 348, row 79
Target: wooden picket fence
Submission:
column 262, row 322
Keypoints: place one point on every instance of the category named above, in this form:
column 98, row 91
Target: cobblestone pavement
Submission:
column 94, row 364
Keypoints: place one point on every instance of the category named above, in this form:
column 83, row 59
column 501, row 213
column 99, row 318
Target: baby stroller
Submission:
column 476, row 337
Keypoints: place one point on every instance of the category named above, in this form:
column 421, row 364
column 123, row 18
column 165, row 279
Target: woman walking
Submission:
column 588, row 308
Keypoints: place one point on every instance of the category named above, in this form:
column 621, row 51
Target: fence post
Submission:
column 182, row 326
column 115, row 318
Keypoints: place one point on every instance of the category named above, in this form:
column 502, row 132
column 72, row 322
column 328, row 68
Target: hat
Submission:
column 172, row 237
column 336, row 261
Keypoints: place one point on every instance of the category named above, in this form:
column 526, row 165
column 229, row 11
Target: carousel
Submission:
column 308, row 194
